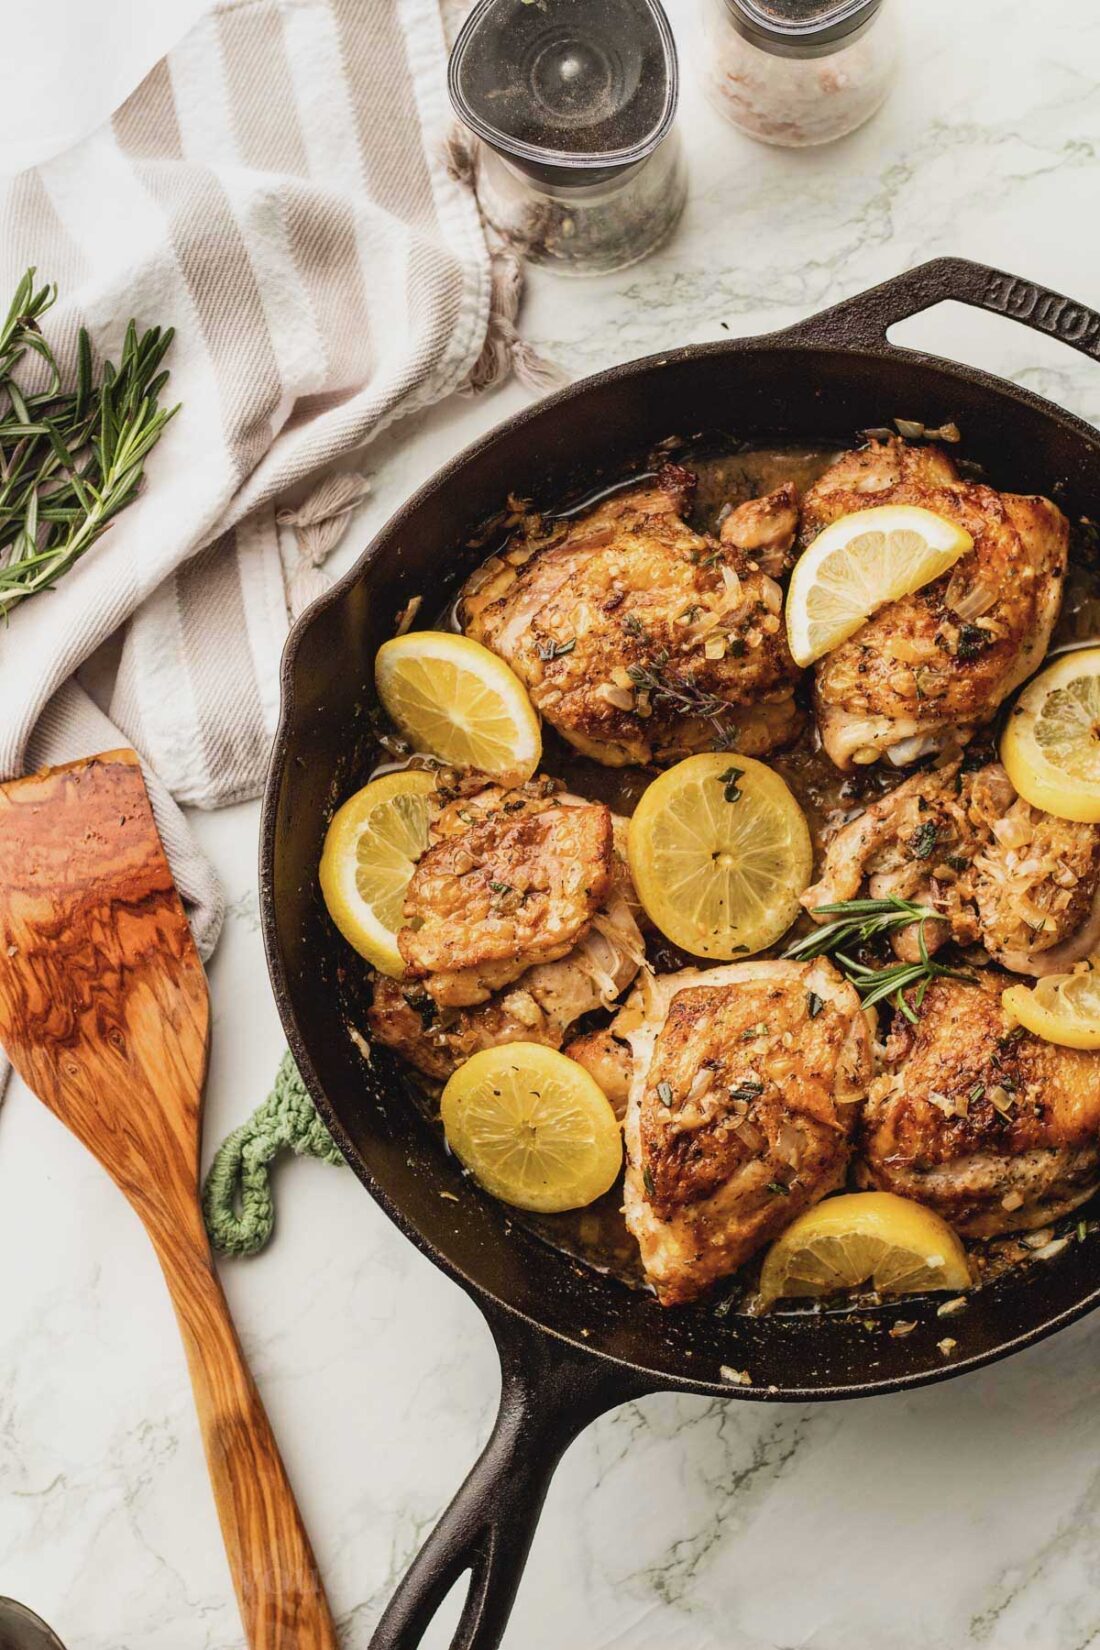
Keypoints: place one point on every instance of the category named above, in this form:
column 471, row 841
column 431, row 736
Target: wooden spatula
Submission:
column 104, row 1014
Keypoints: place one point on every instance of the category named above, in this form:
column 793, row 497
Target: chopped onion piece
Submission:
column 967, row 599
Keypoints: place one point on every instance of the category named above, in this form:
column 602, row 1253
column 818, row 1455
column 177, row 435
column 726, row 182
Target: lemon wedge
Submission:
column 860, row 563
column 1051, row 743
column 720, row 851
column 454, row 699
column 533, row 1128
column 371, row 849
column 876, row 1238
column 1063, row 1008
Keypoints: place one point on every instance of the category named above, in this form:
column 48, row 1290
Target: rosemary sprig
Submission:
column 861, row 920
column 70, row 459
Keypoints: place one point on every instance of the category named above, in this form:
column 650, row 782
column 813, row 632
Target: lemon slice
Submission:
column 860, row 563
column 371, row 849
column 1063, row 1008
column 1051, row 742
column 875, row 1238
column 720, row 851
column 454, row 699
column 533, row 1128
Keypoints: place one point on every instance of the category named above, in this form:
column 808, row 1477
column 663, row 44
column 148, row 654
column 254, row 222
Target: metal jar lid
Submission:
column 569, row 91
column 801, row 28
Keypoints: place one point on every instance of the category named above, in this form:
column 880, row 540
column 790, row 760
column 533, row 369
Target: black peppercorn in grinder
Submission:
column 573, row 102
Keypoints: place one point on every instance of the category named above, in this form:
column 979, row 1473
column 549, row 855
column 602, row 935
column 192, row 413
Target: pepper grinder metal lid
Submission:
column 801, row 28
column 571, row 99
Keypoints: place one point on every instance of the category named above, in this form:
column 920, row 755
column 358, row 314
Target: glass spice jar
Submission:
column 580, row 167
column 799, row 72
column 586, row 227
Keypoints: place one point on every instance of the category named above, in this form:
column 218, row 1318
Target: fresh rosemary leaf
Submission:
column 859, row 921
column 70, row 459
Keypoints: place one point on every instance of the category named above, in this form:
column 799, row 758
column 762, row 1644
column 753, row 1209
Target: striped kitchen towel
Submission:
column 276, row 189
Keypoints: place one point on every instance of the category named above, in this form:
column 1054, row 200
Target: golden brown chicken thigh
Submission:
column 996, row 1129
column 997, row 871
column 925, row 671
column 520, row 918
column 745, row 1083
column 639, row 639
column 508, row 892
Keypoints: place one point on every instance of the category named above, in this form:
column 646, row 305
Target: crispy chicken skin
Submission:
column 606, row 1057
column 639, row 639
column 992, row 1127
column 765, row 528
column 745, row 1083
column 962, row 843
column 530, row 967
column 509, row 891
column 919, row 676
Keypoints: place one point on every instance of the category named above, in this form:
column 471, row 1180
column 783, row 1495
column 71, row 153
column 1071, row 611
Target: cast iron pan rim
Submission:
column 788, row 339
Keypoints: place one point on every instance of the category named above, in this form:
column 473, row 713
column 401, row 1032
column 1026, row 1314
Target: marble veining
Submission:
column 965, row 1515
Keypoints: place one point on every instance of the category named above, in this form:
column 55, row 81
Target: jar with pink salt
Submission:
column 799, row 72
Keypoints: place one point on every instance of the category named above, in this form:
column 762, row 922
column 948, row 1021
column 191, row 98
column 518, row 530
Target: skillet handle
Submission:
column 550, row 1392
column 864, row 320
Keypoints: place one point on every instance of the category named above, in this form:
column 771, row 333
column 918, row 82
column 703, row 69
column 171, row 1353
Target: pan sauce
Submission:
column 597, row 1235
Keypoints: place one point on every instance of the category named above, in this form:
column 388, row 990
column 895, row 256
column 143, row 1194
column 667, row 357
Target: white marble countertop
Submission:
column 964, row 1515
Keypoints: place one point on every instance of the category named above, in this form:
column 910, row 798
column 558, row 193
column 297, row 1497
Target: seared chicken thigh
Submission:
column 519, row 920
column 745, row 1083
column 996, row 1129
column 925, row 671
column 639, row 639
column 998, row 871
column 511, row 890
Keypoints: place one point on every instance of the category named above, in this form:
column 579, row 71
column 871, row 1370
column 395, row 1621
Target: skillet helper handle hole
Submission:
column 549, row 1394
column 865, row 320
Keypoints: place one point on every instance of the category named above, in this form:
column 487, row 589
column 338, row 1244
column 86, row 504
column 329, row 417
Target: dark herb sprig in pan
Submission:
column 70, row 460
column 861, row 920
column 682, row 697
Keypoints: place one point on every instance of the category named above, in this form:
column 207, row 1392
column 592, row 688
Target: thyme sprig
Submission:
column 682, row 697
column 858, row 922
column 70, row 459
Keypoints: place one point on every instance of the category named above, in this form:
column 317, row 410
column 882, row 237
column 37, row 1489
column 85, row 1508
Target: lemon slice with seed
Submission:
column 720, row 851
column 370, row 852
column 1063, row 1008
column 1051, row 742
column 454, row 699
column 860, row 563
column 890, row 1243
column 533, row 1128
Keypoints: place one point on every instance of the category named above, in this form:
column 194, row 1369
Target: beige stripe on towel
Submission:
column 274, row 190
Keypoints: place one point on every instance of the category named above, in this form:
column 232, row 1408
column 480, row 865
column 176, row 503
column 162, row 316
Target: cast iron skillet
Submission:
column 574, row 1343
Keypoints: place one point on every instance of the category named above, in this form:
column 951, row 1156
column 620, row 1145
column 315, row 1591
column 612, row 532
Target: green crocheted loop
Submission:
column 236, row 1199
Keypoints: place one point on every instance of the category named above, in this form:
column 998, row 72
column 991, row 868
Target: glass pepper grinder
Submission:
column 797, row 72
column 573, row 102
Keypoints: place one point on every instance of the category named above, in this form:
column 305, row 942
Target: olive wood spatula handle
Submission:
column 104, row 1014
column 281, row 1600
